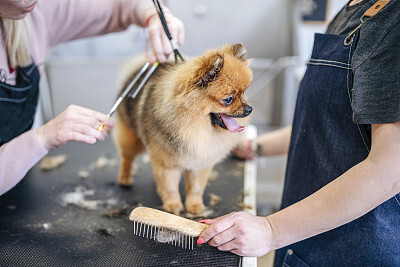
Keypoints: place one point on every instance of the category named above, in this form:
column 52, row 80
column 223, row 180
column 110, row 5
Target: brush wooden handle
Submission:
column 167, row 220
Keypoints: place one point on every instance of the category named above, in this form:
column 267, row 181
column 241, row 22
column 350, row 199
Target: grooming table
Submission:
column 77, row 214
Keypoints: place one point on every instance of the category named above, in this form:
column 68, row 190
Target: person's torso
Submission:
column 325, row 143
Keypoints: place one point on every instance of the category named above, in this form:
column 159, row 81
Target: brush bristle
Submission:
column 165, row 227
column 163, row 235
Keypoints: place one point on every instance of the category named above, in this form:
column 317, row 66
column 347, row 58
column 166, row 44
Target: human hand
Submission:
column 244, row 149
column 159, row 42
column 240, row 233
column 74, row 124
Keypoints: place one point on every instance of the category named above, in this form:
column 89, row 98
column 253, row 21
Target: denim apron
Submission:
column 325, row 143
column 18, row 103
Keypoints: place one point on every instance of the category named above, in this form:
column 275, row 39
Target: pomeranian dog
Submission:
column 188, row 117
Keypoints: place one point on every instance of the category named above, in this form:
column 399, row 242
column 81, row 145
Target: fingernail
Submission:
column 205, row 220
column 200, row 241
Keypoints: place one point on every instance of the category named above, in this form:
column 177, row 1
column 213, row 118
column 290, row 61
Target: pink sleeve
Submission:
column 17, row 157
column 73, row 19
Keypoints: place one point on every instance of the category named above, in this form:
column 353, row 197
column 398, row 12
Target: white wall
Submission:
column 305, row 30
column 263, row 26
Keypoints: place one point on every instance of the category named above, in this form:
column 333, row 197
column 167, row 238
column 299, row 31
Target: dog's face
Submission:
column 220, row 79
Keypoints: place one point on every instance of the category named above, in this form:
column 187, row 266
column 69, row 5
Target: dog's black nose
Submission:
column 247, row 110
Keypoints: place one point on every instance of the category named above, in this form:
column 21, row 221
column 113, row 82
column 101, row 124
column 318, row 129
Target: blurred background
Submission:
column 278, row 35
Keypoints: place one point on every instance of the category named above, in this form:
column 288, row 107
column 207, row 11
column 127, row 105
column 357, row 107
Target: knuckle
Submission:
column 84, row 129
column 59, row 140
column 93, row 122
column 72, row 107
column 154, row 32
column 242, row 230
column 235, row 215
column 172, row 27
column 161, row 58
column 242, row 213
column 69, row 111
column 240, row 242
column 223, row 248
column 218, row 228
column 74, row 137
column 217, row 240
column 102, row 137
column 212, row 243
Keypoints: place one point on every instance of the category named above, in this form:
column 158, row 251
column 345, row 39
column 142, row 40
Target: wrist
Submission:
column 41, row 139
column 148, row 18
column 152, row 12
column 256, row 149
column 271, row 240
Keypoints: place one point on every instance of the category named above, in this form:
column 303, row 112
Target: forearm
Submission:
column 276, row 142
column 17, row 157
column 345, row 199
column 75, row 19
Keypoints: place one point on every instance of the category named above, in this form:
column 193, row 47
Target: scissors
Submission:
column 129, row 88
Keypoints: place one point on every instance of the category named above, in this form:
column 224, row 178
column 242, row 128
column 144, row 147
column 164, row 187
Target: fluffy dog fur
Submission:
column 185, row 118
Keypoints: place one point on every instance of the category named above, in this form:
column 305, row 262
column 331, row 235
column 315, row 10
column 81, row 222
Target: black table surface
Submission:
column 63, row 218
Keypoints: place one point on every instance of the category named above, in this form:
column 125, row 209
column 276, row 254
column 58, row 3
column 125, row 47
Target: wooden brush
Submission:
column 165, row 227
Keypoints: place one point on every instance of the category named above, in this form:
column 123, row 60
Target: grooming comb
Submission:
column 165, row 227
column 128, row 89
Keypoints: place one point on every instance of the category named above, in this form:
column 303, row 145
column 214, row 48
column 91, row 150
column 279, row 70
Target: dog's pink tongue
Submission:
column 231, row 124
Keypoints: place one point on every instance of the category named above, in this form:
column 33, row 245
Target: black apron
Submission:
column 18, row 103
column 325, row 143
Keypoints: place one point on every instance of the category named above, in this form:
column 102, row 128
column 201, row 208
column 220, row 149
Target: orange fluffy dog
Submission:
column 187, row 117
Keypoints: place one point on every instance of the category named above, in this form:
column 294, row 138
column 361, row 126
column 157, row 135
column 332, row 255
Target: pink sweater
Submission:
column 53, row 22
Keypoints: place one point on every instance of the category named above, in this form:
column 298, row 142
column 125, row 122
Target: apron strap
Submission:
column 372, row 11
column 375, row 8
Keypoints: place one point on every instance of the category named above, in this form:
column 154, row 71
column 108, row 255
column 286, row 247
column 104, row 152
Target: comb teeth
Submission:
column 165, row 227
column 163, row 235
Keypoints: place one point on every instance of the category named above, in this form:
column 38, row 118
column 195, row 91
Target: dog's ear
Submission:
column 239, row 51
column 211, row 66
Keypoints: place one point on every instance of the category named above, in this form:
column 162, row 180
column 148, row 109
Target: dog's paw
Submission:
column 174, row 207
column 196, row 208
column 125, row 180
column 194, row 205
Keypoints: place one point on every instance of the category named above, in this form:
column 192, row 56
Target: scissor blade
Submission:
column 148, row 74
column 128, row 89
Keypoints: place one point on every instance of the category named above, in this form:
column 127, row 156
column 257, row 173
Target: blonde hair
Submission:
column 16, row 37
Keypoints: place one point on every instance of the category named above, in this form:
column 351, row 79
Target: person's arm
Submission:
column 76, row 19
column 353, row 194
column 17, row 157
column 24, row 151
column 274, row 143
column 268, row 144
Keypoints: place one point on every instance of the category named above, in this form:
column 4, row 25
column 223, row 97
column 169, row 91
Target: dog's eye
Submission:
column 228, row 101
